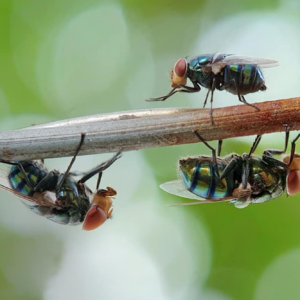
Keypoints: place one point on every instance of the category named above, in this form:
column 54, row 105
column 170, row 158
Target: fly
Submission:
column 240, row 179
column 58, row 196
column 236, row 74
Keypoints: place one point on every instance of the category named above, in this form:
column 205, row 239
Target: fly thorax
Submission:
column 203, row 78
column 68, row 193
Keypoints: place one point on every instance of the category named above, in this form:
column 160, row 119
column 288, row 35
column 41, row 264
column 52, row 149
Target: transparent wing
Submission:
column 244, row 60
column 176, row 187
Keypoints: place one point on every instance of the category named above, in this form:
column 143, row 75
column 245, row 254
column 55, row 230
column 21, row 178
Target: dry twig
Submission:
column 140, row 129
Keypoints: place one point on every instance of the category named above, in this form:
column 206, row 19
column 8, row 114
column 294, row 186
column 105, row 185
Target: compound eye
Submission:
column 94, row 218
column 293, row 182
column 295, row 164
column 178, row 73
column 180, row 67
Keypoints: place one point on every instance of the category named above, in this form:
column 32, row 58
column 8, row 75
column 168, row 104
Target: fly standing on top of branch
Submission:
column 236, row 74
column 58, row 196
column 240, row 179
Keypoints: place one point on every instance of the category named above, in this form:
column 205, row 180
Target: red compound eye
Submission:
column 94, row 218
column 293, row 182
column 180, row 67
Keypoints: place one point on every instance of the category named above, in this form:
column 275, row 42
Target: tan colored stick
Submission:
column 140, row 129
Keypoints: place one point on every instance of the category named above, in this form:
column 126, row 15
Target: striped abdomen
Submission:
column 34, row 172
column 247, row 78
column 200, row 178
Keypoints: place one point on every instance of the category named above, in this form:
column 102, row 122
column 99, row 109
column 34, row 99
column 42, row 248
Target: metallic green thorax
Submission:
column 267, row 179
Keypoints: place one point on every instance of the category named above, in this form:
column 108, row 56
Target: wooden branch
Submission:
column 140, row 129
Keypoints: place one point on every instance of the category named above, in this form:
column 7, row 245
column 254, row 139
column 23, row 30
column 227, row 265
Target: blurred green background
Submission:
column 63, row 59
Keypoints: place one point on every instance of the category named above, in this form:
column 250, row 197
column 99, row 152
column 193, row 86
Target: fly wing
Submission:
column 201, row 202
column 177, row 188
column 244, row 60
column 217, row 66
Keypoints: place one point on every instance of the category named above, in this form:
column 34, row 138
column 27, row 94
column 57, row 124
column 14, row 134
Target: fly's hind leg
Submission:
column 232, row 83
column 213, row 151
column 243, row 100
column 59, row 185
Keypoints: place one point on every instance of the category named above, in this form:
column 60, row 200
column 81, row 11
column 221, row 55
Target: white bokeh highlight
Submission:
column 280, row 280
column 85, row 59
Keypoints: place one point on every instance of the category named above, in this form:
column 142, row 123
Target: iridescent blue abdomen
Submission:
column 200, row 178
column 34, row 172
column 243, row 79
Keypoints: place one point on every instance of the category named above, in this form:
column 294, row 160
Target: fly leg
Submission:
column 206, row 97
column 99, row 169
column 232, row 83
column 178, row 89
column 47, row 183
column 213, row 151
column 271, row 152
column 243, row 192
column 213, row 87
column 231, row 166
column 254, row 145
column 246, row 168
column 293, row 148
column 59, row 184
column 243, row 100
column 220, row 142
column 211, row 92
column 20, row 166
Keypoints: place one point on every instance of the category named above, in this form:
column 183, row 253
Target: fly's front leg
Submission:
column 178, row 89
column 110, row 213
column 99, row 180
column 271, row 152
column 293, row 148
column 99, row 169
